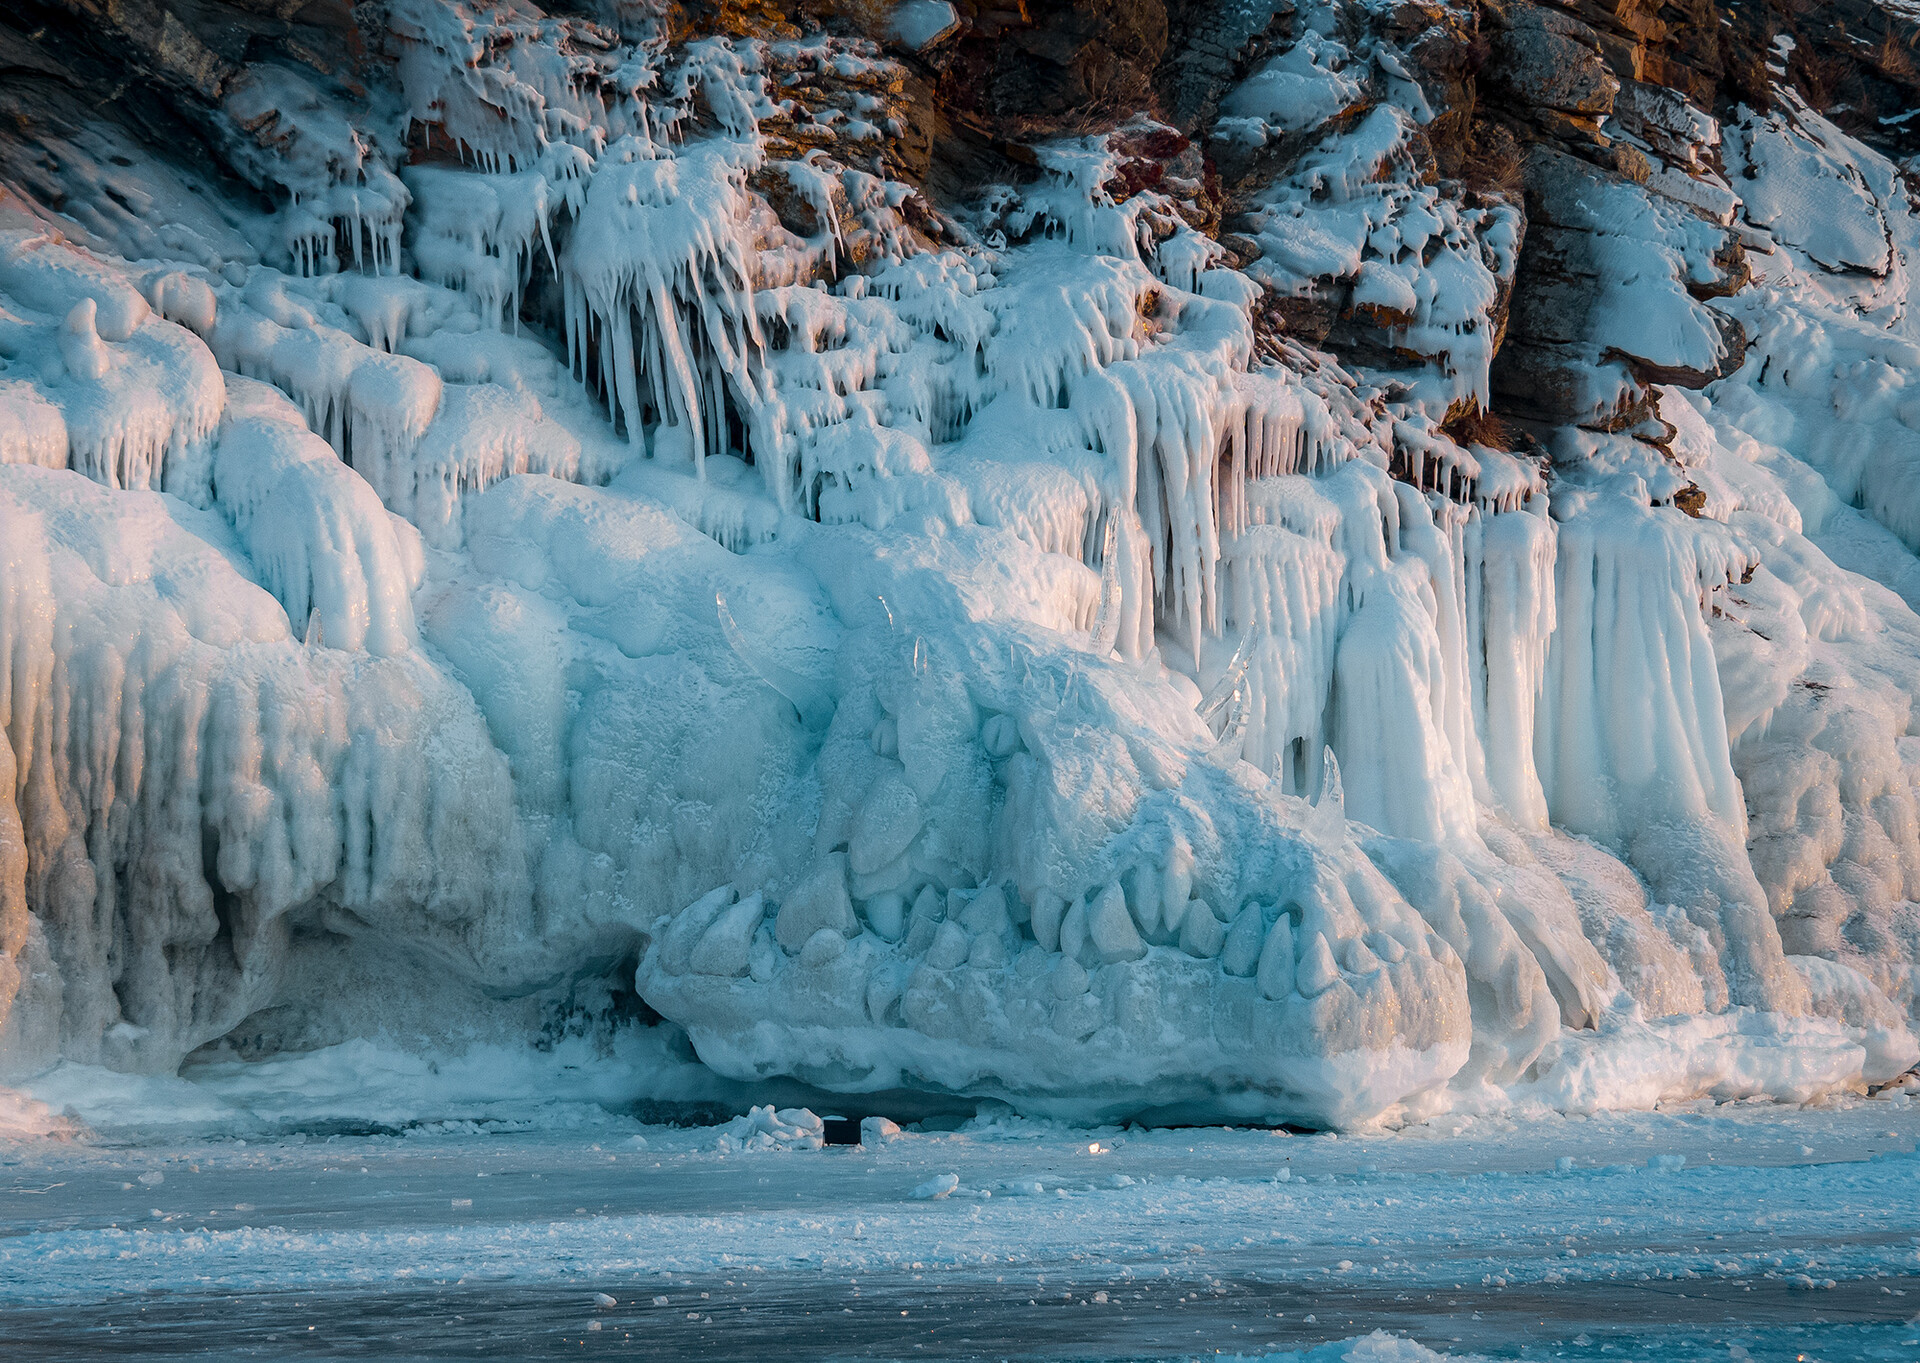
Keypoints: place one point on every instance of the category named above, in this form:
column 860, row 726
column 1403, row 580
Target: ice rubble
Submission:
column 975, row 663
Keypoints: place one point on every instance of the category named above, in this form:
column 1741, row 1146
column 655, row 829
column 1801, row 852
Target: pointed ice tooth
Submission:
column 1387, row 947
column 1201, row 934
column 1176, row 888
column 1106, row 620
column 987, row 912
column 81, row 349
column 819, row 901
column 1328, row 822
column 811, row 699
column 724, row 948
column 1317, row 973
column 1073, row 931
column 181, row 298
column 1241, row 951
column 1110, row 927
column 1048, row 909
column 886, row 823
column 924, row 921
column 1360, row 958
column 1141, row 887
column 1275, row 972
column 886, row 914
column 950, row 948
column 1220, row 696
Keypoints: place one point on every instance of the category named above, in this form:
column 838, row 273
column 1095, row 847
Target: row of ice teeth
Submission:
column 987, row 929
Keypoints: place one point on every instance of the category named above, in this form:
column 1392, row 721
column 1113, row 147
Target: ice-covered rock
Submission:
column 1013, row 638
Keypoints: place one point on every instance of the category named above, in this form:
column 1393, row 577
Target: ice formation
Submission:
column 601, row 525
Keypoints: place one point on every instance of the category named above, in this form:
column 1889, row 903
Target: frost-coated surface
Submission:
column 960, row 653
column 207, row 1220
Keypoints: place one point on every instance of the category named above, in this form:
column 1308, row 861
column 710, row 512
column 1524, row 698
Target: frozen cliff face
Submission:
column 1272, row 617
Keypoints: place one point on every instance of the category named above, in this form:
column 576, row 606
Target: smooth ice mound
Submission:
column 966, row 650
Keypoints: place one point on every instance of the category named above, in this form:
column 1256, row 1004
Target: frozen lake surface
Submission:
column 1711, row 1233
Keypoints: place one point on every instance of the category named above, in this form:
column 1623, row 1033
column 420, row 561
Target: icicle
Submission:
column 1328, row 822
column 1229, row 686
column 1106, row 622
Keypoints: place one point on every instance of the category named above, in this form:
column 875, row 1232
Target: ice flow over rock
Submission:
column 602, row 529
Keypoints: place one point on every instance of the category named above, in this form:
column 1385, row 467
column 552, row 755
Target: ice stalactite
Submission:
column 660, row 300
column 1275, row 428
column 1176, row 442
column 499, row 84
column 287, row 137
column 372, row 407
column 119, row 394
column 482, row 433
column 1511, row 617
column 1392, row 720
column 1632, row 744
column 188, row 775
column 1283, row 587
column 21, row 939
column 1432, row 535
column 1632, row 696
column 324, row 545
column 478, row 234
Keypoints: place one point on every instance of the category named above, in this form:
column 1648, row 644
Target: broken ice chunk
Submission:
column 937, row 1187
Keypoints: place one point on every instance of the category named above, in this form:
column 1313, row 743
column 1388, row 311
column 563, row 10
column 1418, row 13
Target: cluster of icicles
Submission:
column 1209, row 497
column 1094, row 388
